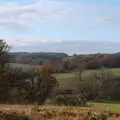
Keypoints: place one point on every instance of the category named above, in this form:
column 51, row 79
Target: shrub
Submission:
column 68, row 98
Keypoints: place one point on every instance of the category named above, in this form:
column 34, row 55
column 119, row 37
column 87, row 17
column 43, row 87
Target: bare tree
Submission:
column 3, row 53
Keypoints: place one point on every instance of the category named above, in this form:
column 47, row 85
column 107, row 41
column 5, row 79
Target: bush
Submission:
column 68, row 98
column 100, row 85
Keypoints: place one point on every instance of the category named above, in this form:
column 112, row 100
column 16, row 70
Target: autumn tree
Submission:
column 39, row 88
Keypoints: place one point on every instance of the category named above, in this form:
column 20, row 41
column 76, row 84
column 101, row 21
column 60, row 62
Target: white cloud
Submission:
column 18, row 16
column 18, row 41
column 105, row 20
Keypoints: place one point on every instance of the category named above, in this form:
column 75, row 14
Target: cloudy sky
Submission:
column 61, row 25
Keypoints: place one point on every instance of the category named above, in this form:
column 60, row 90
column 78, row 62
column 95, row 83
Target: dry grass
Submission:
column 57, row 112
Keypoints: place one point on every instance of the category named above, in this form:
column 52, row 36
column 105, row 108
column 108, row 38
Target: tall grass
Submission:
column 57, row 113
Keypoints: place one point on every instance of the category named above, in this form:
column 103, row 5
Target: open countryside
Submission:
column 60, row 60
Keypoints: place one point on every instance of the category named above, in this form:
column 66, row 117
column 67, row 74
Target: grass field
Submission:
column 68, row 80
column 113, row 106
column 24, row 67
column 53, row 113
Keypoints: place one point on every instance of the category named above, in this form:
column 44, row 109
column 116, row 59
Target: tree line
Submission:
column 93, row 61
column 35, row 58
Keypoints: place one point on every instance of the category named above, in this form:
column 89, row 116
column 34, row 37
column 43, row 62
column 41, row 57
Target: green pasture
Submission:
column 109, row 106
column 68, row 80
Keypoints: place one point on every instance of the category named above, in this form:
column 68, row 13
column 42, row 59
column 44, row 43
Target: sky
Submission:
column 41, row 25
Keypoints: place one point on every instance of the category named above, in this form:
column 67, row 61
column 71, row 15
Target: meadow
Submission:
column 108, row 106
column 24, row 67
column 67, row 80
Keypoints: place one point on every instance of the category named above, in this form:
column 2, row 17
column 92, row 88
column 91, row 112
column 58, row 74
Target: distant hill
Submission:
column 73, row 46
column 34, row 58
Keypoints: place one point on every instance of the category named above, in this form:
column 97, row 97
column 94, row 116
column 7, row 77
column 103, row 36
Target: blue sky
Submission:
column 36, row 23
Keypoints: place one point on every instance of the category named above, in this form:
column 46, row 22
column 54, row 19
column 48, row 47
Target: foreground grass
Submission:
column 31, row 112
column 7, row 115
column 112, row 106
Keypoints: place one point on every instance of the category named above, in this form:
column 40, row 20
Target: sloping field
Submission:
column 68, row 80
column 24, row 67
